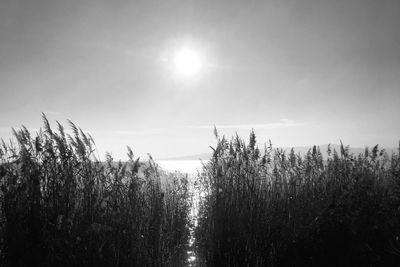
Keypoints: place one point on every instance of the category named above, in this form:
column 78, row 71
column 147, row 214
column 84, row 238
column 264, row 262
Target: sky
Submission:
column 298, row 72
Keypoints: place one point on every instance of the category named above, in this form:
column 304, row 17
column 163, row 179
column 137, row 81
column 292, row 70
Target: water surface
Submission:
column 184, row 166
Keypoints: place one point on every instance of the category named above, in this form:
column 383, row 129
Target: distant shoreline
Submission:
column 298, row 149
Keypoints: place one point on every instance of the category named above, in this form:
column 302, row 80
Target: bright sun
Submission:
column 187, row 62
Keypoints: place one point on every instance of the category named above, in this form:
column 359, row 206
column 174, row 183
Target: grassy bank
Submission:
column 60, row 206
column 263, row 207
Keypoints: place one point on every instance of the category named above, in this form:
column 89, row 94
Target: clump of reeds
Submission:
column 265, row 207
column 60, row 206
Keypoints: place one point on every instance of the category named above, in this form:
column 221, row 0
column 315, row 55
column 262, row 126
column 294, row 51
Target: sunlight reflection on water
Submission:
column 191, row 259
column 191, row 167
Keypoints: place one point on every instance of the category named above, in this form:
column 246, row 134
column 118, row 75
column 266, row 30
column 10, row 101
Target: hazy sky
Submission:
column 299, row 72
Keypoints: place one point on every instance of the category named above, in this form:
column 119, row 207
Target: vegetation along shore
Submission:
column 254, row 206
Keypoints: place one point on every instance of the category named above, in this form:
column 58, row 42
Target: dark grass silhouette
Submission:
column 60, row 206
column 269, row 208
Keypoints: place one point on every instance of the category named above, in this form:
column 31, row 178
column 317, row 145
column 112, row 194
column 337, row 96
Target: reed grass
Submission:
column 61, row 206
column 265, row 207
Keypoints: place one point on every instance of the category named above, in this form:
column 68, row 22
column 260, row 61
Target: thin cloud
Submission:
column 283, row 123
column 141, row 132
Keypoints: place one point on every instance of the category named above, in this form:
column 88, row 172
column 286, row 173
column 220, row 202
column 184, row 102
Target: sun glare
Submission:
column 187, row 62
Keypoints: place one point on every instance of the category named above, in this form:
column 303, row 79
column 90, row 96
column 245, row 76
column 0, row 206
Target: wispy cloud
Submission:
column 141, row 132
column 283, row 123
